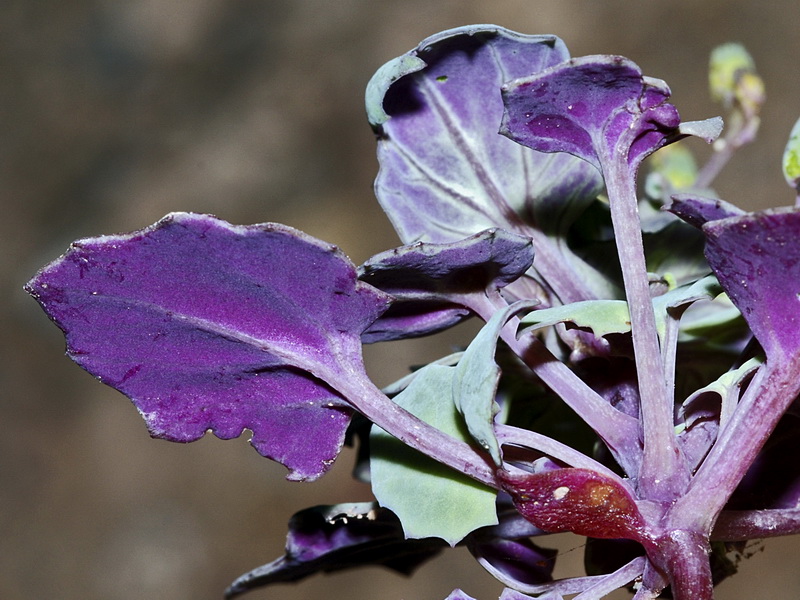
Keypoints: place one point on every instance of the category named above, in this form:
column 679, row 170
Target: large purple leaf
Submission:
column 211, row 326
column 446, row 173
column 436, row 285
column 756, row 258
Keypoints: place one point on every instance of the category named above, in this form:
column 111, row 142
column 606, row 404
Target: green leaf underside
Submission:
column 430, row 499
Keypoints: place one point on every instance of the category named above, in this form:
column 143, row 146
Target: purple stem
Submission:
column 364, row 396
column 614, row 580
column 684, row 557
column 773, row 389
column 743, row 525
column 663, row 474
column 515, row 436
column 619, row 431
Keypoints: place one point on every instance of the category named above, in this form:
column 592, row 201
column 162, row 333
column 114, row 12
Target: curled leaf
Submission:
column 594, row 107
column 445, row 173
column 698, row 210
column 325, row 539
column 476, row 377
column 434, row 286
column 209, row 326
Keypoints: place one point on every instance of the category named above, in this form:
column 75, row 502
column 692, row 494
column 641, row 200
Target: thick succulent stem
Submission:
column 684, row 558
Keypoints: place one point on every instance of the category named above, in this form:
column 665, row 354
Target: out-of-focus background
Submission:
column 114, row 113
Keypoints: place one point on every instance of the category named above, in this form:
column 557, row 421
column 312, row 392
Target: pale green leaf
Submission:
column 707, row 288
column 476, row 378
column 602, row 317
column 430, row 499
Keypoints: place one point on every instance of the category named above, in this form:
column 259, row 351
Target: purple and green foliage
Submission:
column 635, row 381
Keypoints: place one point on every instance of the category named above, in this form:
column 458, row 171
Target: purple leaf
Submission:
column 446, row 173
column 697, row 210
column 578, row 500
column 594, row 107
column 515, row 562
column 435, row 285
column 324, row 539
column 756, row 258
column 211, row 326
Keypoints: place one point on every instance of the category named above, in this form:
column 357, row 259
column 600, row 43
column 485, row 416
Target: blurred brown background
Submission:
column 113, row 113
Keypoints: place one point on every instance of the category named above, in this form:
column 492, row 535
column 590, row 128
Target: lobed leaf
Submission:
column 430, row 499
column 602, row 317
column 208, row 326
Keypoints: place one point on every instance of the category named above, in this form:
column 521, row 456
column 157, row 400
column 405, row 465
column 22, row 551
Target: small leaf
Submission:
column 697, row 210
column 476, row 377
column 593, row 107
column 430, row 499
column 707, row 130
column 676, row 300
column 210, row 326
column 578, row 500
column 726, row 388
column 602, row 317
